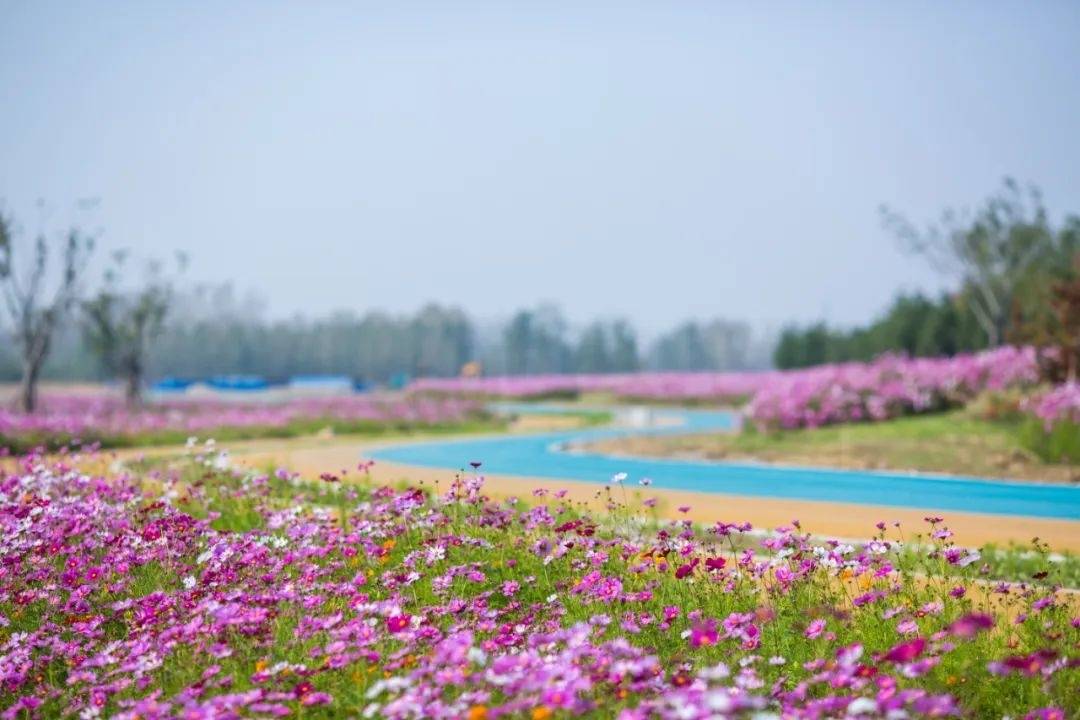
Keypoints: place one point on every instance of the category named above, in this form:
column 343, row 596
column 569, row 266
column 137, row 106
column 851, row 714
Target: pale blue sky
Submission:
column 656, row 160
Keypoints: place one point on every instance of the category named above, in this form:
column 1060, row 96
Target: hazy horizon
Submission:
column 655, row 162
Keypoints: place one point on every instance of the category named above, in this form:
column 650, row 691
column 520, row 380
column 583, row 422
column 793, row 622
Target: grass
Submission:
column 589, row 418
column 953, row 442
column 298, row 428
column 1061, row 443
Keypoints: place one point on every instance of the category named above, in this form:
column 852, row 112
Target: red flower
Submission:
column 716, row 563
column 686, row 569
column 865, row 671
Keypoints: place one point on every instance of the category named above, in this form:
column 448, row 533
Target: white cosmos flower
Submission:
column 618, row 478
column 969, row 558
column 862, row 706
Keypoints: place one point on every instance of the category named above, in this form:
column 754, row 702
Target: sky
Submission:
column 650, row 160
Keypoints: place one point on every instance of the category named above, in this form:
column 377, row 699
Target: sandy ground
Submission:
column 314, row 456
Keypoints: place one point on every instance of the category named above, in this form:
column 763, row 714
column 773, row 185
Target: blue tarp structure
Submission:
column 252, row 383
column 171, row 384
column 237, row 382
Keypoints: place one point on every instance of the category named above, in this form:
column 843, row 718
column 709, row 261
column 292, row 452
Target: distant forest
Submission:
column 211, row 331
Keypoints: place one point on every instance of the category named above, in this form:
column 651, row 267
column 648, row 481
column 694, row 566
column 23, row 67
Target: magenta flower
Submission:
column 1024, row 664
column 971, row 625
column 1046, row 713
column 397, row 623
column 685, row 570
column 704, row 633
column 905, row 652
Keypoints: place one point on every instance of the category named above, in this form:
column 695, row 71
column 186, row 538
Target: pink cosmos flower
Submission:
column 314, row 699
column 907, row 627
column 814, row 629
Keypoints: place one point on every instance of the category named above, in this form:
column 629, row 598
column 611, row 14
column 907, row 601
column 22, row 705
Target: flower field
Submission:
column 1060, row 405
column 193, row 590
column 105, row 419
column 888, row 387
column 643, row 385
column 1054, row 430
column 850, row 392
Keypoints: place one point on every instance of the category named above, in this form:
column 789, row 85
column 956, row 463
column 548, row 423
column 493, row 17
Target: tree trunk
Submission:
column 983, row 317
column 133, row 385
column 28, row 385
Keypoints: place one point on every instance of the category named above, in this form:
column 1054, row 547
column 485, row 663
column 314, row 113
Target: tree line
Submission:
column 1015, row 274
column 211, row 331
column 914, row 324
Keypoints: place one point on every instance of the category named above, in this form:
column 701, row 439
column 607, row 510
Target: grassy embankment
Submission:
column 955, row 443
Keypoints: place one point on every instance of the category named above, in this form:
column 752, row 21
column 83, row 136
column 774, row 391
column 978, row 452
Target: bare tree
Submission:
column 991, row 251
column 35, row 311
column 120, row 324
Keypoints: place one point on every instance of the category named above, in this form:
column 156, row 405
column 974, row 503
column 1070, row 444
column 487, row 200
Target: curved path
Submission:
column 550, row 455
